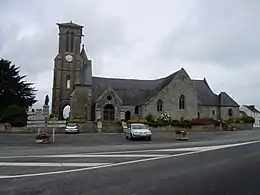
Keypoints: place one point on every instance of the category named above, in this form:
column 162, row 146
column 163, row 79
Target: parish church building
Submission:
column 113, row 99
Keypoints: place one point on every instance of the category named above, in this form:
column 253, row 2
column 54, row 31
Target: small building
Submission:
column 251, row 111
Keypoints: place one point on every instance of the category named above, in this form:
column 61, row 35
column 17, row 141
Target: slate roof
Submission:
column 226, row 100
column 131, row 91
column 137, row 92
column 252, row 108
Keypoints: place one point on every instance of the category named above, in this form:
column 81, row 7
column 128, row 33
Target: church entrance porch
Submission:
column 109, row 113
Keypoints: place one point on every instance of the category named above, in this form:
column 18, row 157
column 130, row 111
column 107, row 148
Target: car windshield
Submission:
column 71, row 125
column 139, row 126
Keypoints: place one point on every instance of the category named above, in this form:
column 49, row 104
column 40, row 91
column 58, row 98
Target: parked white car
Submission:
column 72, row 128
column 138, row 130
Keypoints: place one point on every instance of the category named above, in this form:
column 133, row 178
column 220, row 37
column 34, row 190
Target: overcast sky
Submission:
column 144, row 39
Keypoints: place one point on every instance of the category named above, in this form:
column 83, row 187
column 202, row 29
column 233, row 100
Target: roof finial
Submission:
column 71, row 21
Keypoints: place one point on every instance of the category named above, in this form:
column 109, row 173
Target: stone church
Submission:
column 110, row 99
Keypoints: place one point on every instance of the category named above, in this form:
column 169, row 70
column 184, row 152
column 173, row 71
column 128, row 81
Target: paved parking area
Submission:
column 117, row 138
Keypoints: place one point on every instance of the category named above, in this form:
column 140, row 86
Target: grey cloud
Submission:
column 220, row 34
column 35, row 53
column 225, row 32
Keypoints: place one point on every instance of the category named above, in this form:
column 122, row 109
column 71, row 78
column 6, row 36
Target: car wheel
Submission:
column 149, row 138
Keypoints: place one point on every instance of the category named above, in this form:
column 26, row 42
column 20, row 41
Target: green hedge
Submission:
column 245, row 119
column 77, row 121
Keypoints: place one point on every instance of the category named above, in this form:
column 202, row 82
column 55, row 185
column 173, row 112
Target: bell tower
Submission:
column 66, row 65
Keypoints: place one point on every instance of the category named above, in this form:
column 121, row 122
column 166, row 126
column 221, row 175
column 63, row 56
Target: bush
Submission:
column 77, row 121
column 175, row 123
column 245, row 119
column 158, row 124
column 149, row 118
column 137, row 121
column 53, row 116
column 15, row 115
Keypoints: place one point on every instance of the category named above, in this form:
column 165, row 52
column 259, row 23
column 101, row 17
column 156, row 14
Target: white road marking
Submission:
column 121, row 154
column 37, row 164
column 92, row 156
column 127, row 162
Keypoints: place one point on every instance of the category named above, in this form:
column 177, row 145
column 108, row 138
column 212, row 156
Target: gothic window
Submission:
column 198, row 115
column 213, row 112
column 182, row 102
column 67, row 41
column 68, row 82
column 160, row 105
column 230, row 112
column 71, row 42
column 136, row 110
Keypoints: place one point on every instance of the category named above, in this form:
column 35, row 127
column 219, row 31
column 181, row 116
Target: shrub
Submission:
column 175, row 123
column 53, row 116
column 157, row 124
column 137, row 121
column 247, row 119
column 149, row 118
column 77, row 121
column 15, row 115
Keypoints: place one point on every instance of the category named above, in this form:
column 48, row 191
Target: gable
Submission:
column 109, row 92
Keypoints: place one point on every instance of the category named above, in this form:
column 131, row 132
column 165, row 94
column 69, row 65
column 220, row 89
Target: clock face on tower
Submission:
column 68, row 58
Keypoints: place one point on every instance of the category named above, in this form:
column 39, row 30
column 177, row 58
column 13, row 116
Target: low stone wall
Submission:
column 242, row 126
column 111, row 127
column 193, row 128
column 237, row 126
column 88, row 127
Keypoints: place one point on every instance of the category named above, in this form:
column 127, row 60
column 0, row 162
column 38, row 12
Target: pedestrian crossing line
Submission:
column 39, row 164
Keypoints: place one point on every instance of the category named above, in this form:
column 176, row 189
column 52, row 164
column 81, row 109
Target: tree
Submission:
column 14, row 90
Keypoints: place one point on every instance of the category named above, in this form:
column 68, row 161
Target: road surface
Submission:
column 223, row 167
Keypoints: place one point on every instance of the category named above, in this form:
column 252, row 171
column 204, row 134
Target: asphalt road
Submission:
column 225, row 166
column 119, row 138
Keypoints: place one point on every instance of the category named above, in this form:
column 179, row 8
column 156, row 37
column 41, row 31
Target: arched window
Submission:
column 198, row 115
column 136, row 110
column 67, row 41
column 71, row 42
column 182, row 102
column 109, row 112
column 68, row 82
column 230, row 112
column 160, row 105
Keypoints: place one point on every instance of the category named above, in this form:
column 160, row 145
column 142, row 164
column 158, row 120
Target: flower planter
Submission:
column 43, row 138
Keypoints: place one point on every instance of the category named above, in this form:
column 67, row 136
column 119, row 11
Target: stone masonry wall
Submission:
column 132, row 110
column 207, row 112
column 181, row 85
column 224, row 112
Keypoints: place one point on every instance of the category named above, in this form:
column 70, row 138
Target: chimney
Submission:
column 252, row 106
